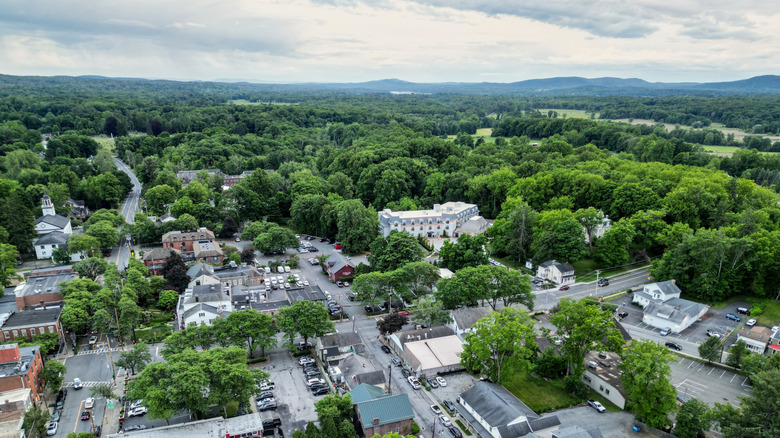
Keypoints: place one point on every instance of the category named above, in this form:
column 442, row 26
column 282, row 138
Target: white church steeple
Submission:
column 46, row 206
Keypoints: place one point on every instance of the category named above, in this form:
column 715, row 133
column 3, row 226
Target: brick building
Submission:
column 185, row 241
column 41, row 290
column 21, row 368
column 29, row 323
column 154, row 260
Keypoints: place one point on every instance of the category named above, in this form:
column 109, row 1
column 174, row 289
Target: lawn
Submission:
column 484, row 132
column 538, row 394
column 247, row 102
column 721, row 149
column 573, row 113
column 585, row 270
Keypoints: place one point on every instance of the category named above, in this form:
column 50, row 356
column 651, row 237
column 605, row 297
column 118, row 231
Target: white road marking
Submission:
column 713, row 369
column 722, row 374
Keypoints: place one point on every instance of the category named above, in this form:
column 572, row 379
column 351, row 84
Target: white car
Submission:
column 750, row 322
column 52, row 429
column 414, row 382
column 440, row 380
column 445, row 421
column 140, row 410
column 136, row 404
column 89, row 403
column 77, row 383
column 436, row 409
column 597, row 406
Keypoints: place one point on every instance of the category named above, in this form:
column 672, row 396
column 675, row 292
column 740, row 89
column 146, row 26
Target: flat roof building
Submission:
column 440, row 220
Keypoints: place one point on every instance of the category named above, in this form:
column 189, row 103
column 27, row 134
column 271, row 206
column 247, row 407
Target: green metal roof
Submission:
column 365, row 392
column 389, row 409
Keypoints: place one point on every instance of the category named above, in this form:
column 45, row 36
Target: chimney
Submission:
column 375, row 421
column 674, row 281
column 43, row 304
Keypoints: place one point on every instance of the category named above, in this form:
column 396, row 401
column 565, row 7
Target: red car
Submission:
column 404, row 313
column 564, row 287
column 85, row 416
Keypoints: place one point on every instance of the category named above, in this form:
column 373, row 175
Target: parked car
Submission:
column 58, row 405
column 743, row 310
column 321, row 391
column 564, row 287
column 713, row 333
column 433, row 383
column 55, row 417
column 622, row 315
column 303, row 360
column 339, row 284
column 269, row 405
column 733, row 317
column 386, row 349
column 445, row 421
column 396, row 362
column 264, row 395
column 454, row 431
column 674, row 346
column 597, row 406
column 62, row 395
column 414, row 382
column 405, row 313
column 271, row 423
column 267, row 386
column 449, row 405
column 137, row 412
column 52, row 429
column 92, row 340
column 440, row 380
column 666, row 331
column 436, row 409
column 750, row 322
column 77, row 383
column 89, row 403
column 406, row 373
column 135, row 427
column 346, row 283
column 85, row 415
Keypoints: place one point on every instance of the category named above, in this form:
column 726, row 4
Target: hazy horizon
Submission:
column 300, row 41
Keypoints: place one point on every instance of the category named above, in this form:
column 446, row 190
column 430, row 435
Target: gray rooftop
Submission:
column 26, row 356
column 206, row 293
column 159, row 254
column 495, row 404
column 209, row 428
column 43, row 284
column 311, row 293
column 674, row 309
column 669, row 287
column 347, row 339
column 203, row 307
column 199, row 269
column 465, row 317
column 335, row 262
column 33, row 317
column 54, row 219
column 53, row 238
column 426, row 333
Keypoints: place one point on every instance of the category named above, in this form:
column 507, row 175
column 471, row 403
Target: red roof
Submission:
column 775, row 347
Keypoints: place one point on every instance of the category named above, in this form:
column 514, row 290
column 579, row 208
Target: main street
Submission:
column 121, row 254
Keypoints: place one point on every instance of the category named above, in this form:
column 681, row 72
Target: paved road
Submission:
column 548, row 299
column 121, row 254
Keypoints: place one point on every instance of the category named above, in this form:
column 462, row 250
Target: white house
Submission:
column 756, row 338
column 464, row 318
column 202, row 304
column 558, row 273
column 492, row 411
column 603, row 376
column 443, row 218
column 663, row 307
column 53, row 232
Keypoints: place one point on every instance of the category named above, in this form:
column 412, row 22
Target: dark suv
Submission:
column 603, row 282
column 272, row 423
column 674, row 346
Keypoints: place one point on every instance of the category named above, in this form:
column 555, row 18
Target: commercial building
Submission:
column 558, row 273
column 20, row 368
column 663, row 307
column 381, row 413
column 339, row 267
column 41, row 290
column 28, row 323
column 443, row 219
column 756, row 338
column 13, row 405
column 236, row 427
column 154, row 260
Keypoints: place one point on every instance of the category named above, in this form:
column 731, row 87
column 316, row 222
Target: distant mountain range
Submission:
column 560, row 86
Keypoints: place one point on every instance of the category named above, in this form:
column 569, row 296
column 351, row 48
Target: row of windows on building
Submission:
column 438, row 227
column 33, row 332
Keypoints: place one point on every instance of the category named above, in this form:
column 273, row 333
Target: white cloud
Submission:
column 418, row 40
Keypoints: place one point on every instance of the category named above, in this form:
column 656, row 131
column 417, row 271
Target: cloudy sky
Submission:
column 414, row 40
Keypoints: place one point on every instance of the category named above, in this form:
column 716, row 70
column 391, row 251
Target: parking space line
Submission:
column 732, row 379
column 743, row 382
column 693, row 362
column 700, row 368
column 721, row 374
column 713, row 369
column 681, row 361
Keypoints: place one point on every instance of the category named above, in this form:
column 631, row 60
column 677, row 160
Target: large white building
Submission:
column 443, row 218
column 663, row 307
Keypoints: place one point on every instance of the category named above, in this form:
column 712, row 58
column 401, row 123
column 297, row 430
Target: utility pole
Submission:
column 598, row 272
column 433, row 431
column 118, row 329
column 390, row 381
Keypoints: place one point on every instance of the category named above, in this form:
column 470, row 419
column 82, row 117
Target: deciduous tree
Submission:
column 135, row 359
column 646, row 373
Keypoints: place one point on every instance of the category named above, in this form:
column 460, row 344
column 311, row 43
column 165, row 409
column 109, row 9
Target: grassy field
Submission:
column 721, row 149
column 570, row 113
column 539, row 394
column 484, row 132
column 106, row 142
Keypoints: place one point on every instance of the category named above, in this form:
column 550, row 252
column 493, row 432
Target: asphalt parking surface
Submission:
column 708, row 383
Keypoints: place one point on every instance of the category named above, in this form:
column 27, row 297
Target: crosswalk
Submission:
column 97, row 351
column 87, row 384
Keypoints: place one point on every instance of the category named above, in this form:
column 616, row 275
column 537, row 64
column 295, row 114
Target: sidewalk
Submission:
column 111, row 415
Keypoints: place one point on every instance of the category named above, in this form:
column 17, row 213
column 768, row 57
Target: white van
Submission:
column 280, row 269
column 287, row 269
column 267, row 270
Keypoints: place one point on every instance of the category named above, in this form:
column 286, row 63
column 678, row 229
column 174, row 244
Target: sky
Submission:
column 414, row 40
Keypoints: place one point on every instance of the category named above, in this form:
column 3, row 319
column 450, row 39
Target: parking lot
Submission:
column 690, row 338
column 295, row 401
column 708, row 383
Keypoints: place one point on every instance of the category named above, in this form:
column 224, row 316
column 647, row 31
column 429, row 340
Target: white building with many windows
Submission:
column 442, row 219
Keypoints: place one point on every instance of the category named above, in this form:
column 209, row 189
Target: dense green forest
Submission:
column 328, row 161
